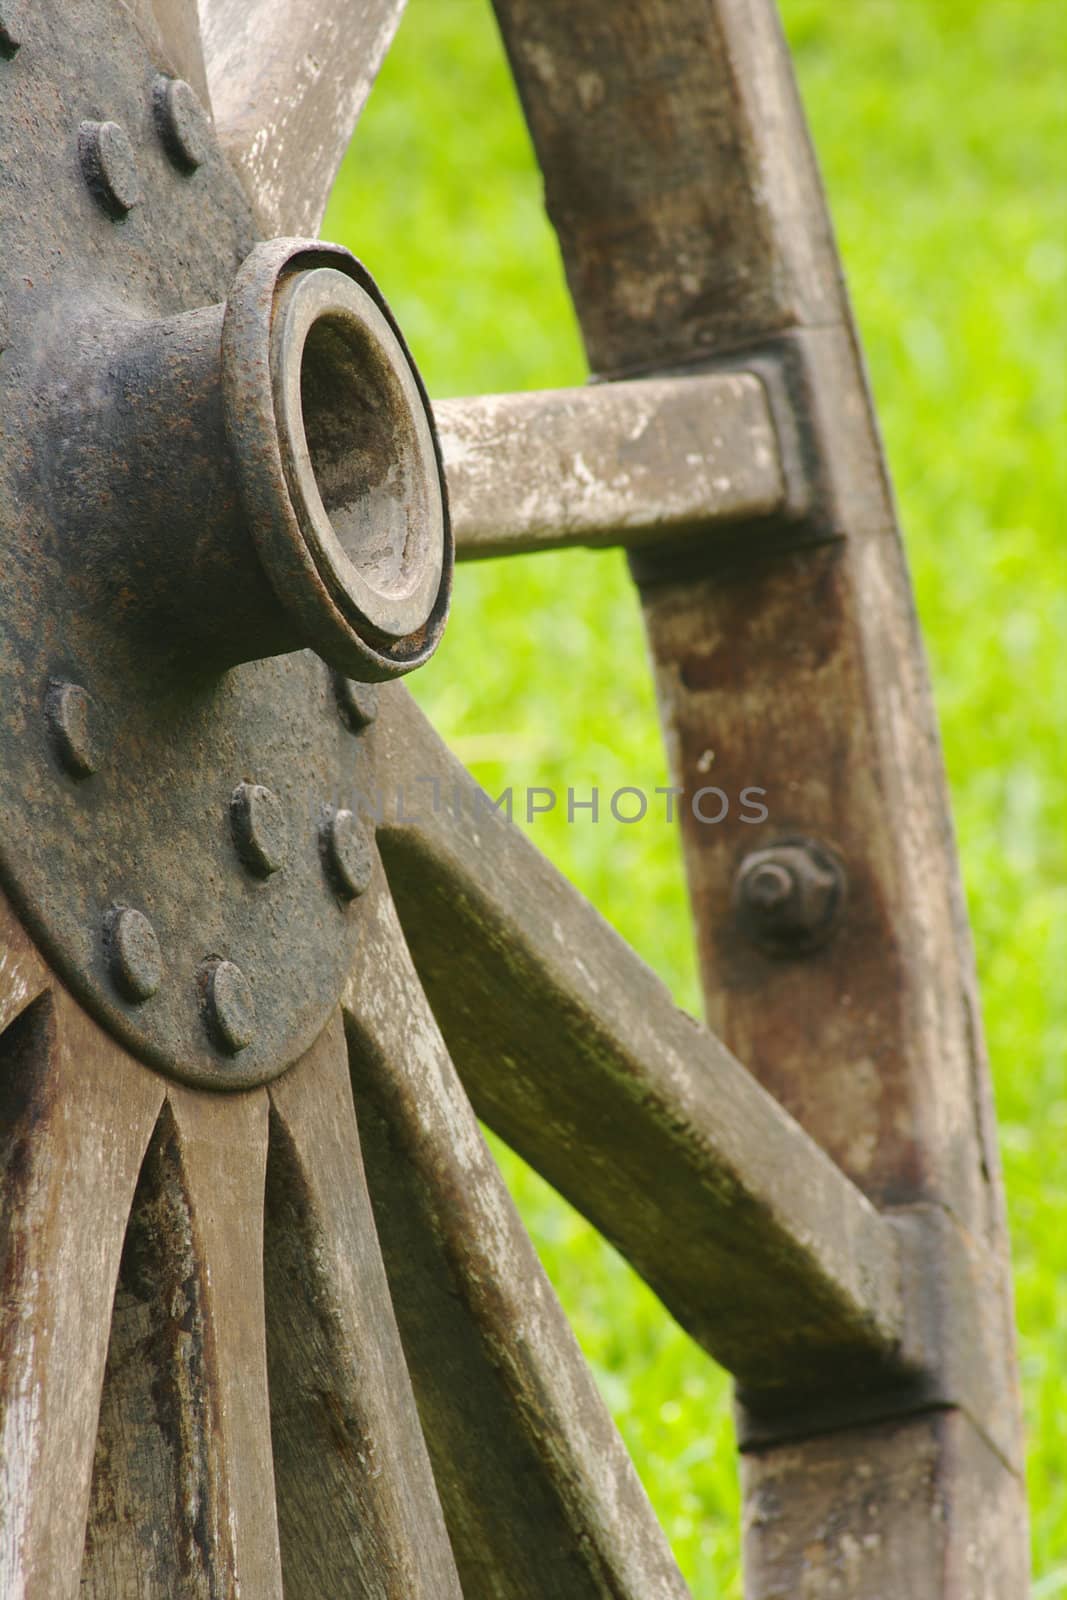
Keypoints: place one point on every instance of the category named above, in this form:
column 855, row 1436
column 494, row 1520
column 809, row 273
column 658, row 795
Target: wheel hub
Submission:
column 216, row 458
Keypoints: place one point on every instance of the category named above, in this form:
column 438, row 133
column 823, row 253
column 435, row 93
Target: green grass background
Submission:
column 942, row 133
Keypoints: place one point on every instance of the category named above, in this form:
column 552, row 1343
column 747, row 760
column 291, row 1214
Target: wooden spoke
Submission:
column 76, row 1115
column 358, row 1509
column 571, row 1049
column 288, row 79
column 222, row 1148
column 23, row 975
column 632, row 464
column 540, row 1495
column 176, row 24
column 184, row 1422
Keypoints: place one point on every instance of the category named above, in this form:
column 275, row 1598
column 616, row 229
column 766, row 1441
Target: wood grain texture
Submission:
column 23, row 974
column 359, row 1512
column 631, row 464
column 541, row 1498
column 681, row 181
column 222, row 1149
column 76, row 1114
column 653, row 121
column 288, row 80
column 572, row 1050
column 902, row 1509
column 183, row 1492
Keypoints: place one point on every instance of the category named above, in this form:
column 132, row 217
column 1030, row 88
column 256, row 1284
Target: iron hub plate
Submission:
column 117, row 791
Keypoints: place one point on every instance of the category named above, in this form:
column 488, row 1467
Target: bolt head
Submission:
column 10, row 29
column 347, row 854
column 789, row 899
column 182, row 122
column 135, row 960
column 769, row 886
column 357, row 702
column 229, row 1005
column 260, row 829
column 109, row 167
column 73, row 722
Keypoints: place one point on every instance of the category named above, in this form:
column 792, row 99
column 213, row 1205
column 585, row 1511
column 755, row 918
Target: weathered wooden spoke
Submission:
column 572, row 1050
column 75, row 1117
column 540, row 1496
column 358, row 1508
column 288, row 79
column 629, row 464
column 184, row 1419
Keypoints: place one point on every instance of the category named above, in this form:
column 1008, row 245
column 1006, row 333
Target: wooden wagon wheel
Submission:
column 269, row 1318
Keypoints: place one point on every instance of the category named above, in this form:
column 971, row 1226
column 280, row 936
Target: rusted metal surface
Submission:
column 789, row 899
column 630, row 464
column 212, row 453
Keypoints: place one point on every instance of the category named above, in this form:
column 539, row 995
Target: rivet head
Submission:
column 260, row 829
column 109, row 167
column 347, row 854
column 73, row 722
column 10, row 31
column 229, row 1005
column 182, row 123
column 134, row 958
column 790, row 898
column 357, row 702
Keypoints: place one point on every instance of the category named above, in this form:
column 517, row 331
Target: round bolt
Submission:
column 72, row 721
column 358, row 702
column 134, row 957
column 260, row 829
column 789, row 899
column 347, row 853
column 229, row 1005
column 109, row 167
column 182, row 123
column 10, row 32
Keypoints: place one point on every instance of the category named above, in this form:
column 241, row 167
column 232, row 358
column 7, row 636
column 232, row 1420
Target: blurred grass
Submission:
column 942, row 132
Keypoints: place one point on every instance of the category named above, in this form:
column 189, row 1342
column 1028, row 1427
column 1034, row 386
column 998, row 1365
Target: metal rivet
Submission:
column 790, row 898
column 182, row 123
column 10, row 32
column 260, row 829
column 229, row 1005
column 134, row 957
column 357, row 702
column 109, row 166
column 347, row 853
column 73, row 723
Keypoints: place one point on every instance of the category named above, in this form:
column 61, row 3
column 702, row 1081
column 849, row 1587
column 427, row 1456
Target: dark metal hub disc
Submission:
column 212, row 456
